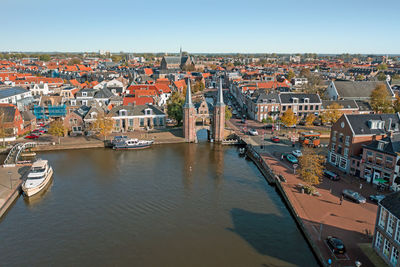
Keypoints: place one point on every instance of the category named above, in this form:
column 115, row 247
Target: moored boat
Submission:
column 125, row 143
column 38, row 177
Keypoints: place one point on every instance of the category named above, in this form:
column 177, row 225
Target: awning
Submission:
column 380, row 180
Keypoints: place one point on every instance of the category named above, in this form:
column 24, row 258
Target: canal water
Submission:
column 170, row 205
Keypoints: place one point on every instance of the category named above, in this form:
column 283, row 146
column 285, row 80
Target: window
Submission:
column 154, row 121
column 161, row 122
column 369, row 156
column 333, row 158
column 389, row 162
column 379, row 159
column 316, row 107
column 382, row 218
column 381, row 145
column 397, row 235
column 300, row 107
column 130, row 121
column 261, row 109
column 378, row 241
column 341, row 138
column 343, row 163
column 283, row 108
column 386, row 248
column 339, row 149
column 346, row 152
column 333, row 147
column 334, row 136
column 306, row 100
column 347, row 142
column 395, row 256
column 305, row 107
column 390, row 225
column 84, row 94
column 116, row 123
column 141, row 122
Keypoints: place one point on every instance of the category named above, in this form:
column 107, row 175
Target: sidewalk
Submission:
column 324, row 216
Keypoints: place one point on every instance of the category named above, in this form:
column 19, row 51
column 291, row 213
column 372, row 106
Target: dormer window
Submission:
column 306, row 100
column 123, row 112
column 295, row 100
column 148, row 111
column 376, row 124
column 93, row 115
column 381, row 145
column 84, row 94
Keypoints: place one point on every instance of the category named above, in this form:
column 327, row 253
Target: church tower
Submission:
column 189, row 127
column 219, row 116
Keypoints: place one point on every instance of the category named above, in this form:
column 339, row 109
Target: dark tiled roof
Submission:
column 7, row 92
column 361, row 89
column 346, row 104
column 263, row 97
column 8, row 111
column 363, row 105
column 392, row 144
column 286, row 98
column 359, row 123
column 103, row 93
column 392, row 203
column 135, row 110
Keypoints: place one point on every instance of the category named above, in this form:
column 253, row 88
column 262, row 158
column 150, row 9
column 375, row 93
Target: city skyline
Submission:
column 208, row 27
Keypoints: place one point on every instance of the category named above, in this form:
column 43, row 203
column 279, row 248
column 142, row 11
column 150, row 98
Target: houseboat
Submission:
column 38, row 177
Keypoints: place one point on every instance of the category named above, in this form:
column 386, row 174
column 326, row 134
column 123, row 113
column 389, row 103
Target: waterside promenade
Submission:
column 11, row 179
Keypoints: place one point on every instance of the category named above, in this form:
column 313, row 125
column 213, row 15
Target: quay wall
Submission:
column 270, row 176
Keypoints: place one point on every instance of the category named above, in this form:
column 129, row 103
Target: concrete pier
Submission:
column 11, row 179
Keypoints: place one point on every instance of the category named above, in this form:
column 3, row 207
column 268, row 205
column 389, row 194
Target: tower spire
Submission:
column 220, row 97
column 188, row 99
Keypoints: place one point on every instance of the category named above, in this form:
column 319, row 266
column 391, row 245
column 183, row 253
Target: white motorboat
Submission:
column 38, row 177
column 125, row 143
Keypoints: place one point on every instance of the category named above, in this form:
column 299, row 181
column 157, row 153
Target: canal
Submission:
column 171, row 205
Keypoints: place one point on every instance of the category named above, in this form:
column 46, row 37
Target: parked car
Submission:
column 297, row 153
column 331, row 175
column 32, row 136
column 354, row 196
column 275, row 139
column 336, row 245
column 269, row 126
column 376, row 198
column 253, row 132
column 291, row 158
column 38, row 131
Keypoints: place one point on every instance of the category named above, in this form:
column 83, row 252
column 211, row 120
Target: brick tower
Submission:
column 189, row 129
column 219, row 116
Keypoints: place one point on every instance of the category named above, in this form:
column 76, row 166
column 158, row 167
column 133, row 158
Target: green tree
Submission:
column 74, row 61
column 175, row 107
column 311, row 167
column 57, row 129
column 116, row 58
column 382, row 66
column 381, row 101
column 288, row 118
column 198, row 87
column 381, row 76
column 360, row 77
column 290, row 75
column 228, row 113
column 103, row 125
column 45, row 57
column 332, row 113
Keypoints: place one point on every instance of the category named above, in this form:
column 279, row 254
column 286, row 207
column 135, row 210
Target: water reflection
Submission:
column 41, row 196
column 189, row 158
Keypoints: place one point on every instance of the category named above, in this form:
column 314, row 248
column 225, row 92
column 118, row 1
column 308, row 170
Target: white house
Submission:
column 39, row 89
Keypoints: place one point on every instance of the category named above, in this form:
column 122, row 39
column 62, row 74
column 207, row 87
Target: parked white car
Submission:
column 297, row 153
column 253, row 132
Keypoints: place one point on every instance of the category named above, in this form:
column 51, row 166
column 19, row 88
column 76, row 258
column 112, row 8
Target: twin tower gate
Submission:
column 190, row 115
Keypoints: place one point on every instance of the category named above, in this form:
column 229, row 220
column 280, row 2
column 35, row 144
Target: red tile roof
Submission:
column 138, row 100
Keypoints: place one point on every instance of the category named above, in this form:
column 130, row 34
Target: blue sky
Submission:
column 252, row 26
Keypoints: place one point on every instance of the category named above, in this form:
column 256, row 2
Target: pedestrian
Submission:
column 341, row 200
column 360, row 186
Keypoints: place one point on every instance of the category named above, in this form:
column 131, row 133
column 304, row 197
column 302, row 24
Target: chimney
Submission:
column 374, row 137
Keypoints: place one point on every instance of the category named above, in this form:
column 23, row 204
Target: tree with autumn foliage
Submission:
column 396, row 104
column 310, row 119
column 228, row 113
column 311, row 167
column 290, row 75
column 57, row 129
column 381, row 101
column 288, row 118
column 103, row 125
column 332, row 113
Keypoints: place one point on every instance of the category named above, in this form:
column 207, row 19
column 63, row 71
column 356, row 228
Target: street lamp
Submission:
column 9, row 174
